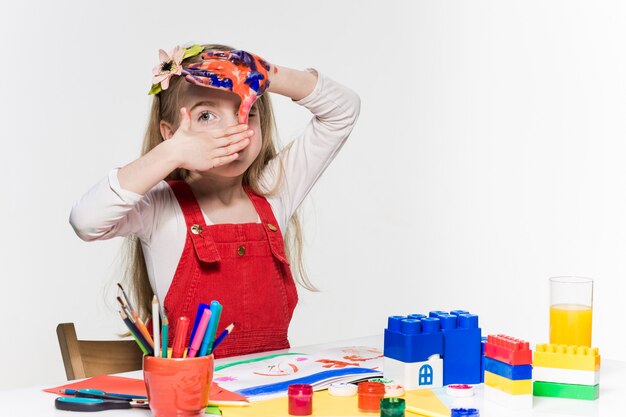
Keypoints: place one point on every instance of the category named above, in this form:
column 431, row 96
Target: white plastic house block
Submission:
column 415, row 375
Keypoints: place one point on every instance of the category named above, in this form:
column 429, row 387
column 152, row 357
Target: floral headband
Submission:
column 240, row 72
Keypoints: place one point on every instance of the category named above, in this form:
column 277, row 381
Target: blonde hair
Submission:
column 165, row 106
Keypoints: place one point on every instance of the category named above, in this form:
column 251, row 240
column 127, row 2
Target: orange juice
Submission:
column 570, row 324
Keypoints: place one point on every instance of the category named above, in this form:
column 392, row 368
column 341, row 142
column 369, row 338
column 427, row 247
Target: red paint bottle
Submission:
column 300, row 399
column 370, row 394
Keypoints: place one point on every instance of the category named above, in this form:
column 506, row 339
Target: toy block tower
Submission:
column 567, row 372
column 461, row 347
column 508, row 372
column 413, row 349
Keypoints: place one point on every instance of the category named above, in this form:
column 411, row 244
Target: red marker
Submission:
column 178, row 348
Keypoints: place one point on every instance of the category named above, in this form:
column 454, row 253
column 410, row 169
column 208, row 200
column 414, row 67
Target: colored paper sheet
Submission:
column 123, row 385
column 266, row 377
column 326, row 405
column 107, row 383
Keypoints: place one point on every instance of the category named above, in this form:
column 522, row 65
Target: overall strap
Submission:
column 269, row 223
column 196, row 226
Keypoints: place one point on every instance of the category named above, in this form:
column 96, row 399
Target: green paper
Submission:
column 213, row 410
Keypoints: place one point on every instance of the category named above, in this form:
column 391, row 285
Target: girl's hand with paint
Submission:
column 204, row 150
column 240, row 72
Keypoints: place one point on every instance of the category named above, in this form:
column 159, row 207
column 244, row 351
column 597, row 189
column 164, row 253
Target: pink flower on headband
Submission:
column 170, row 65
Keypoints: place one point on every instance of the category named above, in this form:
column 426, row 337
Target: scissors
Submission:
column 96, row 393
column 95, row 404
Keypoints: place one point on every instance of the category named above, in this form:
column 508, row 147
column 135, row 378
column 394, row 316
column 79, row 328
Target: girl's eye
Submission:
column 206, row 117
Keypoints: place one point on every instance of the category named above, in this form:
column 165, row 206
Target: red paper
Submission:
column 123, row 385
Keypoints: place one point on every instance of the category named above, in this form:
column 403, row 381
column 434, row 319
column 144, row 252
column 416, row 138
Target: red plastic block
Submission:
column 508, row 349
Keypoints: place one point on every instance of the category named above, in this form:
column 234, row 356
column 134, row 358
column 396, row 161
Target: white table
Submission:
column 33, row 402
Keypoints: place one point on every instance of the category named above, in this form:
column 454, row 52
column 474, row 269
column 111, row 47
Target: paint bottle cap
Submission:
column 382, row 380
column 342, row 389
column 300, row 389
column 460, row 390
column 464, row 412
column 394, row 390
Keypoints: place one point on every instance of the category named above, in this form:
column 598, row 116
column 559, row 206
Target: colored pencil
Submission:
column 164, row 336
column 202, row 329
column 136, row 319
column 209, row 336
column 178, row 347
column 142, row 328
column 125, row 296
column 222, row 336
column 141, row 341
column 156, row 326
column 125, row 308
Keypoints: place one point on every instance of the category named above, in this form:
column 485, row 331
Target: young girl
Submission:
column 210, row 199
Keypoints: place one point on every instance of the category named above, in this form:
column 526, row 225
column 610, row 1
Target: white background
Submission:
column 489, row 155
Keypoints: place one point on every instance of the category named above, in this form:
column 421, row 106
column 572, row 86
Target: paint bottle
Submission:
column 464, row 412
column 300, row 399
column 392, row 407
column 370, row 394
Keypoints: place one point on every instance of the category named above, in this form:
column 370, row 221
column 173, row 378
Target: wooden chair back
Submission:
column 87, row 358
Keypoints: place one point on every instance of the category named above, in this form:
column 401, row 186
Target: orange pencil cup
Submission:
column 178, row 387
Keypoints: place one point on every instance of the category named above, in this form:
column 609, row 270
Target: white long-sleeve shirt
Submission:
column 107, row 210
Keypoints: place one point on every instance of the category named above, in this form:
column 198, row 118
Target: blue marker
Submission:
column 201, row 308
column 209, row 336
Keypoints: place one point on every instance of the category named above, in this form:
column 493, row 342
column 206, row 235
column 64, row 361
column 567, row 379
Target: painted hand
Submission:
column 240, row 72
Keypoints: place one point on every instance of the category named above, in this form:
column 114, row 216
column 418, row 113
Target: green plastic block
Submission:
column 578, row 392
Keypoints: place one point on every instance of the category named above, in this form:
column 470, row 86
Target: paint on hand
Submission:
column 237, row 71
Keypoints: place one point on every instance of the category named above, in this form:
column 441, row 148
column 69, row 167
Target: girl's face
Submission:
column 217, row 109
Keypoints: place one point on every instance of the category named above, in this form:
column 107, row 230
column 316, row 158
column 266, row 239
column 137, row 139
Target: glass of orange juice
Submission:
column 571, row 304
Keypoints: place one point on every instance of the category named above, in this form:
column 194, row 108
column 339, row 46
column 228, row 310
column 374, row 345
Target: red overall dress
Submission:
column 243, row 266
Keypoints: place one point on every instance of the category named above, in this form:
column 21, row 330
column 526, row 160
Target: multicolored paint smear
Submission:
column 237, row 71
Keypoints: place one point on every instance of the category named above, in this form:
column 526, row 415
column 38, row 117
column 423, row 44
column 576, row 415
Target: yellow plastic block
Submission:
column 514, row 387
column 567, row 357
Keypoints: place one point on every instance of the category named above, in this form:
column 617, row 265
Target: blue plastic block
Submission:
column 483, row 340
column 461, row 347
column 413, row 339
column 514, row 372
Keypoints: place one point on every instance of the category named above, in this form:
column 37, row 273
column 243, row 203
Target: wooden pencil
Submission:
column 156, row 326
column 136, row 335
column 136, row 319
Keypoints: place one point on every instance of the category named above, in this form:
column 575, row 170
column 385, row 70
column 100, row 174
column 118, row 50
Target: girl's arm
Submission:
column 144, row 173
column 124, row 203
column 291, row 83
column 184, row 148
column 335, row 110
